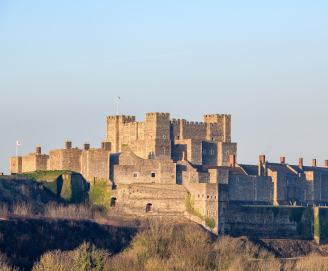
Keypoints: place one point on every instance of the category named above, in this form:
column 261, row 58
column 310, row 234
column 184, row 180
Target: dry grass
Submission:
column 4, row 209
column 5, row 264
column 166, row 245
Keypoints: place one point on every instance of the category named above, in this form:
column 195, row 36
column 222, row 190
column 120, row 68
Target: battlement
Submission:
column 191, row 123
column 122, row 118
column 175, row 121
column 167, row 115
column 215, row 117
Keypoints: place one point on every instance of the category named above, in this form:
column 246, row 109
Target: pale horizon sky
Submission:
column 62, row 64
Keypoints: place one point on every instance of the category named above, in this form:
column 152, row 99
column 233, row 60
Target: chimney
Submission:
column 232, row 160
column 38, row 149
column 282, row 160
column 314, row 162
column 86, row 146
column 265, row 173
column 326, row 163
column 300, row 163
column 184, row 156
column 68, row 144
column 262, row 158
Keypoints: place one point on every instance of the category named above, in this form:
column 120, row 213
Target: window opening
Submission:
column 135, row 175
column 149, row 207
column 153, row 175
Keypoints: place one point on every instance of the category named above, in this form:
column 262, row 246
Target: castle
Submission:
column 155, row 166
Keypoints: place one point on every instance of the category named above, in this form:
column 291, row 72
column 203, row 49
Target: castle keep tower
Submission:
column 158, row 137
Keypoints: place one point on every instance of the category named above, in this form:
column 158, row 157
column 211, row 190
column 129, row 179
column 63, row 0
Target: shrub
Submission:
column 4, row 209
column 5, row 264
column 80, row 211
column 83, row 258
column 23, row 208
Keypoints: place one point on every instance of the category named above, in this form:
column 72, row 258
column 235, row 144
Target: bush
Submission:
column 23, row 208
column 5, row 264
column 83, row 258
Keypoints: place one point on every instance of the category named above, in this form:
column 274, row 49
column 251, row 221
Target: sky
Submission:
column 62, row 64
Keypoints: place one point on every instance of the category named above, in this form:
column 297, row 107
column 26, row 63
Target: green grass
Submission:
column 43, row 174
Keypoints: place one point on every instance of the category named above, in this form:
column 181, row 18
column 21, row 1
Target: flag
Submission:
column 118, row 97
column 18, row 143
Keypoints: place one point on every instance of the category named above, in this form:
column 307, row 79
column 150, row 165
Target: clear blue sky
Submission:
column 263, row 62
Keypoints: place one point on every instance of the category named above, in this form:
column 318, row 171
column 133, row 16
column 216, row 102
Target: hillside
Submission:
column 147, row 245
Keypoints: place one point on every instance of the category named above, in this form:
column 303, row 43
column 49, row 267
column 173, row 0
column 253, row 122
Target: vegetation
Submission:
column 189, row 203
column 158, row 245
column 210, row 222
column 43, row 174
column 100, row 193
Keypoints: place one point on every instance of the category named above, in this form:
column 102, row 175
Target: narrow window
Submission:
column 178, row 137
column 149, row 207
column 212, row 138
column 153, row 175
column 163, row 150
column 135, row 175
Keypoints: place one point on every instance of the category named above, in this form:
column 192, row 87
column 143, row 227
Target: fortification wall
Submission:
column 148, row 171
column 250, row 189
column 220, row 128
column 29, row 163
column 157, row 126
column 41, row 162
column 65, row 159
column 193, row 130
column 219, row 175
column 95, row 163
column 164, row 199
column 210, row 153
column 162, row 149
column 269, row 222
column 15, row 165
column 193, row 148
column 175, row 129
column 55, row 160
column 324, row 187
column 224, row 152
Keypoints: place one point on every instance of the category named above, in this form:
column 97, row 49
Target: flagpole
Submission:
column 16, row 148
column 117, row 104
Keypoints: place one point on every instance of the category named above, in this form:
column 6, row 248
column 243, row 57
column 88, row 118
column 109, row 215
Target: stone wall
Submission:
column 41, row 162
column 269, row 222
column 224, row 152
column 29, row 162
column 250, row 189
column 95, row 163
column 129, row 168
column 165, row 199
column 15, row 165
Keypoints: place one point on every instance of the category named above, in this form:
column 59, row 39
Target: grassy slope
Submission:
column 24, row 240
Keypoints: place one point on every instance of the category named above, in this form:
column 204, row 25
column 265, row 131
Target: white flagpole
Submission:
column 117, row 104
column 16, row 148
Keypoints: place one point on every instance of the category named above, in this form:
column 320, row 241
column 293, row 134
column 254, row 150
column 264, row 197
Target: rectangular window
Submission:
column 163, row 150
column 135, row 175
column 153, row 175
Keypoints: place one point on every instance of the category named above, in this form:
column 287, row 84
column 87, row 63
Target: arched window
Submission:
column 149, row 207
